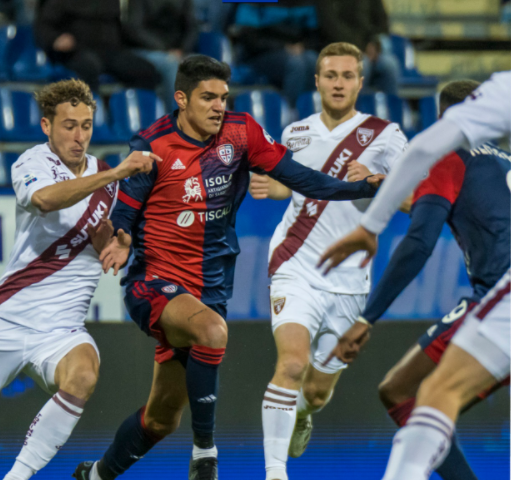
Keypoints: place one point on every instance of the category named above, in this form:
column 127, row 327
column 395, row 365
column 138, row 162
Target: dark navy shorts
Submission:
column 145, row 302
column 435, row 341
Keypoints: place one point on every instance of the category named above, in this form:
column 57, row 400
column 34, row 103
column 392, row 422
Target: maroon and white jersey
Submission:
column 310, row 226
column 53, row 269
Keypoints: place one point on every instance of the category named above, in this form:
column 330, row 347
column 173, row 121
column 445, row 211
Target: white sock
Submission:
column 94, row 474
column 47, row 434
column 279, row 418
column 204, row 452
column 420, row 446
column 304, row 408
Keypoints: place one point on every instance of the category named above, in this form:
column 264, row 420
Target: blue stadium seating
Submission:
column 374, row 104
column 267, row 107
column 19, row 117
column 114, row 159
column 132, row 110
column 6, row 161
column 308, row 104
column 102, row 132
column 7, row 35
column 31, row 63
column 402, row 47
column 216, row 45
column 428, row 111
column 401, row 113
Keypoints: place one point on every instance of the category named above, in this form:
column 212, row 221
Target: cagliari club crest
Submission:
column 225, row 153
column 278, row 304
column 364, row 136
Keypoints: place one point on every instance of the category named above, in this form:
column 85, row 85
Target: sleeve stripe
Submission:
column 131, row 202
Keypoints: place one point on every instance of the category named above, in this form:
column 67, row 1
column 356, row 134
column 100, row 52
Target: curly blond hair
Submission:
column 73, row 91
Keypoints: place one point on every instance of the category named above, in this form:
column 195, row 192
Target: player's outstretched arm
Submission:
column 66, row 194
column 317, row 185
column 116, row 254
column 262, row 187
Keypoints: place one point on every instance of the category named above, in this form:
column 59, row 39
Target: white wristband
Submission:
column 146, row 154
column 363, row 320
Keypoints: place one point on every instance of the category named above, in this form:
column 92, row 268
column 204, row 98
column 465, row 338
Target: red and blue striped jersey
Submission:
column 182, row 215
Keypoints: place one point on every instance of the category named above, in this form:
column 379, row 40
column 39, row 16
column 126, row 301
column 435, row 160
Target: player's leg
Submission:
column 296, row 314
column 146, row 427
column 68, row 364
column 477, row 357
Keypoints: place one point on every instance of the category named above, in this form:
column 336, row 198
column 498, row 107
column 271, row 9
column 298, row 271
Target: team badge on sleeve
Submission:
column 28, row 179
column 169, row 289
column 268, row 137
column 225, row 153
column 364, row 136
column 278, row 304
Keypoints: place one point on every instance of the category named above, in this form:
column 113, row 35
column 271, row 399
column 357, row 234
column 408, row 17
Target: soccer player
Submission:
column 466, row 189
column 63, row 196
column 309, row 311
column 479, row 353
column 181, row 220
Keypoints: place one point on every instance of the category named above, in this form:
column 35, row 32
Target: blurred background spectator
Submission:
column 164, row 31
column 87, row 37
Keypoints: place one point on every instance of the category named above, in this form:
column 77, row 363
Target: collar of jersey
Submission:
column 189, row 139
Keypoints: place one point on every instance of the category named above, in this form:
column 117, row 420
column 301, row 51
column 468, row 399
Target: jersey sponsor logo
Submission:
column 28, row 179
column 217, row 214
column 218, row 186
column 312, row 208
column 169, row 289
column 110, row 188
column 364, row 136
column 193, row 190
column 339, row 162
column 278, row 304
column 83, row 235
column 296, row 144
column 225, row 153
column 300, row 128
column 186, row 218
column 178, row 165
column 268, row 137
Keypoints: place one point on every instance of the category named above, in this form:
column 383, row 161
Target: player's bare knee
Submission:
column 166, row 425
column 292, row 367
column 390, row 392
column 80, row 382
column 212, row 332
column 315, row 397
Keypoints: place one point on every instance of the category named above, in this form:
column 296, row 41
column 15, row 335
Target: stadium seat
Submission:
column 132, row 110
column 7, row 35
column 102, row 132
column 6, row 161
column 401, row 113
column 19, row 117
column 267, row 107
column 428, row 111
column 114, row 159
column 308, row 104
column 216, row 45
column 374, row 104
column 31, row 63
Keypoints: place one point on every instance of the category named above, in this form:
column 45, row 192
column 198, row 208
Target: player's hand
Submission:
column 357, row 171
column 259, row 186
column 349, row 345
column 136, row 162
column 116, row 253
column 359, row 239
column 375, row 180
column 101, row 234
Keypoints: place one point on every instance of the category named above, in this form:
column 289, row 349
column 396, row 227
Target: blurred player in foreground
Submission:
column 479, row 353
column 181, row 218
column 63, row 196
column 468, row 190
column 310, row 312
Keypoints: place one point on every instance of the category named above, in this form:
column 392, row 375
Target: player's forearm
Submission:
column 70, row 192
column 277, row 191
column 424, row 151
column 317, row 185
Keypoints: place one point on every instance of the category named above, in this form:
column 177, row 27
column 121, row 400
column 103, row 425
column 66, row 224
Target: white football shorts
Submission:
column 326, row 315
column 35, row 353
column 485, row 334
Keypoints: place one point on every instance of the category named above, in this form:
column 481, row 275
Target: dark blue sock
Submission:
column 455, row 466
column 202, row 384
column 132, row 441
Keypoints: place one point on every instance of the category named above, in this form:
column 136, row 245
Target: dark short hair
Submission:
column 197, row 68
column 73, row 91
column 456, row 92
